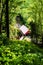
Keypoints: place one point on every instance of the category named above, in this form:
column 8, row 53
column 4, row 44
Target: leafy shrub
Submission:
column 20, row 53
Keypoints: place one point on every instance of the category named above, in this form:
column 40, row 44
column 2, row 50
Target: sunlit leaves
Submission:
column 21, row 53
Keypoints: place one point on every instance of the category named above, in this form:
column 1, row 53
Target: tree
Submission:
column 1, row 13
column 0, row 25
column 37, row 16
column 0, row 16
column 7, row 18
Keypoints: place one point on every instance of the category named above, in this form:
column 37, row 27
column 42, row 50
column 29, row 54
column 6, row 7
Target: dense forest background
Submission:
column 30, row 10
column 21, row 52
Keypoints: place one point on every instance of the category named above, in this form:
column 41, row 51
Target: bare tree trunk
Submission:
column 0, row 27
column 0, row 22
column 0, row 16
column 7, row 19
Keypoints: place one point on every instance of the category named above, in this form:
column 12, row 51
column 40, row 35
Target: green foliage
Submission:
column 29, row 9
column 20, row 53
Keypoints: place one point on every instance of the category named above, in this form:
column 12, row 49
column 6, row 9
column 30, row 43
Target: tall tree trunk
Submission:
column 0, row 25
column 7, row 19
column 0, row 16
